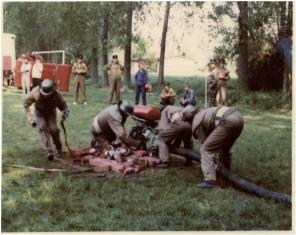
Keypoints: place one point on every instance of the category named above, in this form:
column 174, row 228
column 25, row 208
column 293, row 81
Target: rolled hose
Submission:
column 236, row 181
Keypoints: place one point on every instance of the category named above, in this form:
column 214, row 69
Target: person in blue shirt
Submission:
column 188, row 96
column 141, row 79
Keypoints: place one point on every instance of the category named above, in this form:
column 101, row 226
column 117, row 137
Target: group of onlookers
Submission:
column 25, row 70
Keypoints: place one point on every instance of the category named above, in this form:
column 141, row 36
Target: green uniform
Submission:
column 79, row 70
column 114, row 81
column 216, row 128
column 45, row 116
column 174, row 131
column 213, row 87
column 167, row 97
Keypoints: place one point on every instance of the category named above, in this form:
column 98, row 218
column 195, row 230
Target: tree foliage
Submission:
column 266, row 24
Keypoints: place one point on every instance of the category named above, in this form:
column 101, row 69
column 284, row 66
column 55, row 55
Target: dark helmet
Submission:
column 80, row 56
column 47, row 87
column 126, row 107
column 115, row 57
column 166, row 84
column 222, row 61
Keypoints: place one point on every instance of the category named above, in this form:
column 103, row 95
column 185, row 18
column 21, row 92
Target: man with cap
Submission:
column 223, row 77
column 37, row 71
column 175, row 128
column 216, row 128
column 25, row 70
column 79, row 69
column 108, row 125
column 212, row 83
column 168, row 95
column 47, row 99
column 114, row 70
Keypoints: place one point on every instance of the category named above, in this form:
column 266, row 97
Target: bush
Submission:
column 262, row 100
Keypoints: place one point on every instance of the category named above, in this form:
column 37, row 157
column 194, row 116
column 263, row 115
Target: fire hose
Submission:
column 236, row 181
column 65, row 135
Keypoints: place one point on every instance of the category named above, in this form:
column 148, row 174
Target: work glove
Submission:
column 65, row 115
column 32, row 122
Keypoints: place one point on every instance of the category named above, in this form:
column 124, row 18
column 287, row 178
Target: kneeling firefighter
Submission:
column 47, row 99
column 175, row 128
column 108, row 125
column 216, row 128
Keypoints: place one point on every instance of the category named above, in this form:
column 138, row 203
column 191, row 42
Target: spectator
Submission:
column 213, row 83
column 222, row 79
column 37, row 72
column 188, row 96
column 26, row 70
column 141, row 79
column 168, row 95
column 79, row 69
column 114, row 71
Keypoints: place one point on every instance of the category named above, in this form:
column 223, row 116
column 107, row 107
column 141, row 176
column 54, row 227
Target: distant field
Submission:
column 164, row 200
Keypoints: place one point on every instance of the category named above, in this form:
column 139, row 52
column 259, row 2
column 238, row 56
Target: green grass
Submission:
column 160, row 200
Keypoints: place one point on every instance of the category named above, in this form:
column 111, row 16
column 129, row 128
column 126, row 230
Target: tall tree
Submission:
column 243, row 46
column 128, row 44
column 163, row 42
column 104, row 43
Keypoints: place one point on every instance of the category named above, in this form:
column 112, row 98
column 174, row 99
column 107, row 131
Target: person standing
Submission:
column 47, row 99
column 26, row 70
column 188, row 96
column 141, row 79
column 37, row 72
column 212, row 83
column 79, row 69
column 175, row 128
column 114, row 70
column 223, row 77
column 216, row 128
column 168, row 95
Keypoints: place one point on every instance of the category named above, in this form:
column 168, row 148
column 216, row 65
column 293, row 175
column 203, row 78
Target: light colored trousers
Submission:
column 26, row 83
column 221, row 95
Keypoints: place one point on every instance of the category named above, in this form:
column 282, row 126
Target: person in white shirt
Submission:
column 37, row 72
column 25, row 70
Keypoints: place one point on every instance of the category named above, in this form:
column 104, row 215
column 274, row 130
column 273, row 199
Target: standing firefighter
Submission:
column 223, row 77
column 175, row 128
column 109, row 125
column 212, row 83
column 47, row 99
column 79, row 69
column 216, row 128
column 114, row 71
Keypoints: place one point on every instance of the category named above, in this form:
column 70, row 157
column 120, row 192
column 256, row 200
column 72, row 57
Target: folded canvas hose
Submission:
column 235, row 180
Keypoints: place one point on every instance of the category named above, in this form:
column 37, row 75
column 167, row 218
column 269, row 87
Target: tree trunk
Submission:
column 104, row 42
column 163, row 41
column 282, row 21
column 290, row 19
column 128, row 45
column 243, row 48
column 94, row 65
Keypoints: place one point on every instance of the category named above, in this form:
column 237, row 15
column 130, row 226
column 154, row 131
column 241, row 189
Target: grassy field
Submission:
column 160, row 200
